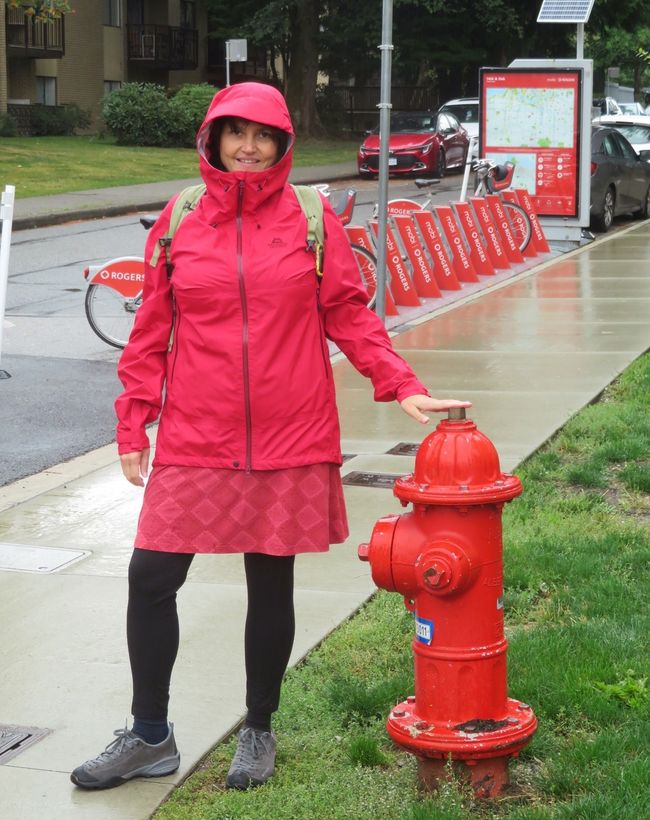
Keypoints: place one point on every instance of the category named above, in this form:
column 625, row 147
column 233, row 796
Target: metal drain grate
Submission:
column 15, row 739
column 384, row 481
column 404, row 448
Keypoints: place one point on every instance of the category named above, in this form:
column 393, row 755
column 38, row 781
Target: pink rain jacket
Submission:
column 246, row 382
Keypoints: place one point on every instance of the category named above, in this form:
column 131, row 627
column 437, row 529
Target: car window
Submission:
column 636, row 134
column 627, row 150
column 464, row 113
column 453, row 122
column 443, row 123
column 610, row 146
column 411, row 123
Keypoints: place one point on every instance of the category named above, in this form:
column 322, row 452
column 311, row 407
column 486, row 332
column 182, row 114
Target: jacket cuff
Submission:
column 124, row 447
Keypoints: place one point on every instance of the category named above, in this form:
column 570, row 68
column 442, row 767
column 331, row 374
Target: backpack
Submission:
column 308, row 198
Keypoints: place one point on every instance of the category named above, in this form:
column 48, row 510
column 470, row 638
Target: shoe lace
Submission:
column 250, row 748
column 123, row 739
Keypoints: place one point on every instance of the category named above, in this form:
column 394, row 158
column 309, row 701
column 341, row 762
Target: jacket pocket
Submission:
column 174, row 338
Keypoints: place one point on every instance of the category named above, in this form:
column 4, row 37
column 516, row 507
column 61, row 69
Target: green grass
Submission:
column 83, row 163
column 577, row 574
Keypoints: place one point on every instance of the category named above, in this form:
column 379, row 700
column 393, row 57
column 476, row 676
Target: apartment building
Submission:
column 105, row 43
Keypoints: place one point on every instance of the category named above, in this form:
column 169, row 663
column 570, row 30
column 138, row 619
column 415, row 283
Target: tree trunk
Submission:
column 303, row 73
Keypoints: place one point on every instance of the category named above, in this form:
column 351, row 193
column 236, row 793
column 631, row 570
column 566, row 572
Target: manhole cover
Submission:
column 404, row 448
column 381, row 480
column 15, row 739
column 25, row 558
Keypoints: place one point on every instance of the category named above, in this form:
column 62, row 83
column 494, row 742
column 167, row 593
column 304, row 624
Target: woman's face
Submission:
column 247, row 146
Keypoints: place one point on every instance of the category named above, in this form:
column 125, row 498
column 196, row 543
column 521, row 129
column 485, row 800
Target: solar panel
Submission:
column 565, row 11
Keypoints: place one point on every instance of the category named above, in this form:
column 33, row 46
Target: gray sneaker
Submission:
column 254, row 760
column 126, row 757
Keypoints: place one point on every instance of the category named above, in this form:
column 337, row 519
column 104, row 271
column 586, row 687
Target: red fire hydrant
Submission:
column 445, row 558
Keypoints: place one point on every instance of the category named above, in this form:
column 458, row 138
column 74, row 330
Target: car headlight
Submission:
column 427, row 148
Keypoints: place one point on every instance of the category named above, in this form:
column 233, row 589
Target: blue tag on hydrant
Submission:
column 423, row 630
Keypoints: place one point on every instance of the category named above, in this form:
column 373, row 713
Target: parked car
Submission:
column 620, row 179
column 465, row 109
column 633, row 109
column 607, row 105
column 421, row 142
column 635, row 129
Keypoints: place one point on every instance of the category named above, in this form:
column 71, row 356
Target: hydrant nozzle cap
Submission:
column 456, row 414
column 363, row 551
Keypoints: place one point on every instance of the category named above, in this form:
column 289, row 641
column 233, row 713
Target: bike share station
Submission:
column 537, row 114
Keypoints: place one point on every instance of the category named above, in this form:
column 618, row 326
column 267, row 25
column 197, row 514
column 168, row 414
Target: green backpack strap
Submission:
column 312, row 205
column 186, row 201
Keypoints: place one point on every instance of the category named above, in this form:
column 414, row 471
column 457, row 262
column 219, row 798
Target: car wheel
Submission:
column 441, row 165
column 603, row 220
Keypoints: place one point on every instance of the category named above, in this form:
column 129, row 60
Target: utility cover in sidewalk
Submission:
column 24, row 558
column 382, row 480
column 404, row 448
column 15, row 739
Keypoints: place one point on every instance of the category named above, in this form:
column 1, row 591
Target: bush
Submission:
column 8, row 126
column 139, row 114
column 62, row 121
column 189, row 106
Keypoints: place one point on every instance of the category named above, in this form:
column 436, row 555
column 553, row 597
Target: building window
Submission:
column 188, row 14
column 46, row 90
column 111, row 85
column 111, row 12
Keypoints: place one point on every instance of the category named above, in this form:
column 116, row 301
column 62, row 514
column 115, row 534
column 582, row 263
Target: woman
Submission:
column 248, row 448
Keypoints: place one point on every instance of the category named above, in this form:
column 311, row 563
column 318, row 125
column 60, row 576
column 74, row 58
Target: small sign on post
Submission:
column 6, row 219
column 236, row 52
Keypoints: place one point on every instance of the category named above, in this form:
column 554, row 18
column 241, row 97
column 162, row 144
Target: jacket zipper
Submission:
column 321, row 335
column 244, row 307
column 173, row 340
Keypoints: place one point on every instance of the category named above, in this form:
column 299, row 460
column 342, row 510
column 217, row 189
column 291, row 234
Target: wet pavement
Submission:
column 529, row 352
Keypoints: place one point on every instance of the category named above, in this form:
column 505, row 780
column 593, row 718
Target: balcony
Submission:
column 27, row 38
column 165, row 47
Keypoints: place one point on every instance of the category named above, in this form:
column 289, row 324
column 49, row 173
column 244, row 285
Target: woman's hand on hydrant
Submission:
column 135, row 466
column 416, row 406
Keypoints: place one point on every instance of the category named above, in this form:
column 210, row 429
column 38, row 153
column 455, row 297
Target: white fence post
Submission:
column 6, row 218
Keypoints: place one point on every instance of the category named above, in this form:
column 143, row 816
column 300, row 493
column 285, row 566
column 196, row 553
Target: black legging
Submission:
column 153, row 633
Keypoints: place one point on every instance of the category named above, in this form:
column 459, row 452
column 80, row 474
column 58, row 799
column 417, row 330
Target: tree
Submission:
column 43, row 11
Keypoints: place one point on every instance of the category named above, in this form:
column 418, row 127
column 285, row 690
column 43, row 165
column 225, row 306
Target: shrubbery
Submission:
column 61, row 121
column 8, row 126
column 143, row 114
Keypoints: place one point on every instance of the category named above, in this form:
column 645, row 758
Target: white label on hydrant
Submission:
column 423, row 630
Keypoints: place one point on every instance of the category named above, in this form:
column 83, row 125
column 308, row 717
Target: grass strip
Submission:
column 577, row 573
column 41, row 166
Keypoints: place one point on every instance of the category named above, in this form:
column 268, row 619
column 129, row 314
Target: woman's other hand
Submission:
column 416, row 406
column 135, row 466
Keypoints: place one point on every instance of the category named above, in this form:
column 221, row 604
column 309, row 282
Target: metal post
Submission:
column 384, row 106
column 6, row 218
column 227, row 63
column 580, row 41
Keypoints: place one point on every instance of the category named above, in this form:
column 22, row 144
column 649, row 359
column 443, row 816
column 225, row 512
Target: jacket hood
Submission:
column 251, row 101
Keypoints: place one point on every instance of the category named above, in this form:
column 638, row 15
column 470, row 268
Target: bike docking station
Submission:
column 6, row 220
column 441, row 254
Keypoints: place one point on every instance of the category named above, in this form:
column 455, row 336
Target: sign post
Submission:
column 236, row 52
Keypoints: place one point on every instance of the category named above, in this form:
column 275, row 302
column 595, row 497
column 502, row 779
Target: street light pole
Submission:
column 384, row 106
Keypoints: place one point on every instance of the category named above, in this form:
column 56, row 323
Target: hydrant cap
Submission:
column 457, row 464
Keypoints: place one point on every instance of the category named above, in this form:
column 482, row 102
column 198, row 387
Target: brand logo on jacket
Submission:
column 276, row 242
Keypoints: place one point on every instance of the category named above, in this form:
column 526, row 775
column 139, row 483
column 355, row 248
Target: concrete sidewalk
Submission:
column 529, row 352
column 39, row 211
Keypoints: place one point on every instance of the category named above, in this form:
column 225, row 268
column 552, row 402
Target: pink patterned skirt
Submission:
column 276, row 512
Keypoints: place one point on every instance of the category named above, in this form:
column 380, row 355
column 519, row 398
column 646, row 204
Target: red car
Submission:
column 421, row 142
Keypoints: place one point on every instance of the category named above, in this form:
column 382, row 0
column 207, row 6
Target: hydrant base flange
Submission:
column 486, row 777
column 477, row 739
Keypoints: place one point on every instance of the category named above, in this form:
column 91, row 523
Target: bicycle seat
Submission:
column 148, row 221
column 425, row 183
column 503, row 176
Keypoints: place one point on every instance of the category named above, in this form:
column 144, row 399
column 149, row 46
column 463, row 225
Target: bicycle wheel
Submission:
column 520, row 222
column 110, row 314
column 367, row 265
